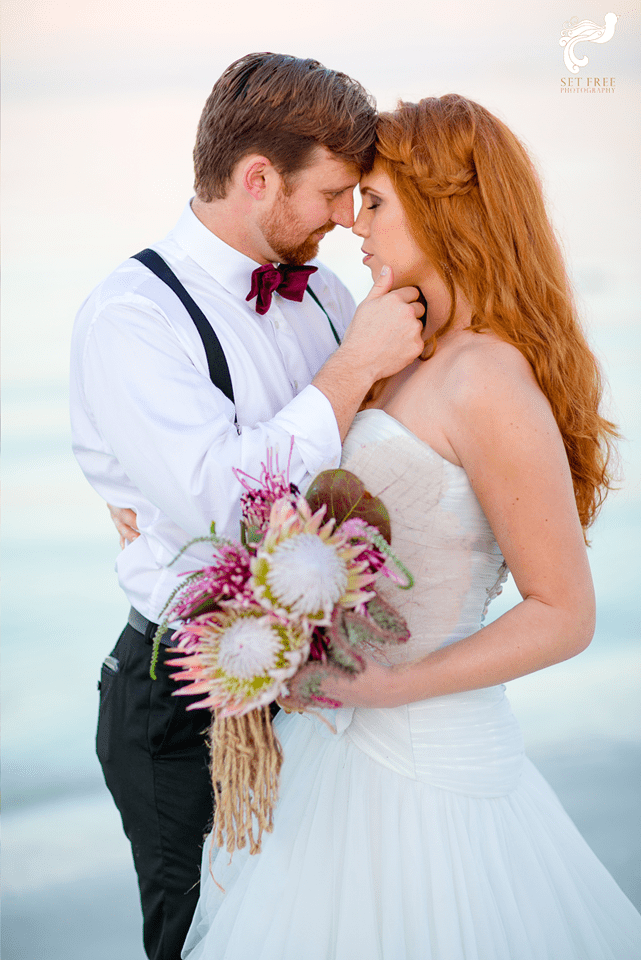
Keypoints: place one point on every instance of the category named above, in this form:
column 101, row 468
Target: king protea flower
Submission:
column 303, row 569
column 241, row 659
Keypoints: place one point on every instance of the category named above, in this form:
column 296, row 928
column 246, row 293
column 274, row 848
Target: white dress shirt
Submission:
column 152, row 432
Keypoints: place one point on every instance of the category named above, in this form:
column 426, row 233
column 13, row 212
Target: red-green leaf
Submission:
column 345, row 497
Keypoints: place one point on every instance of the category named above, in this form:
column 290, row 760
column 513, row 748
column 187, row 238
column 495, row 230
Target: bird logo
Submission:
column 584, row 31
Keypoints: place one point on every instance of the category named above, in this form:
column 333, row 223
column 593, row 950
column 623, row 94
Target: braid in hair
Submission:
column 475, row 205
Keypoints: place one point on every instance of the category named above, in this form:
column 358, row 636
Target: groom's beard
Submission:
column 282, row 231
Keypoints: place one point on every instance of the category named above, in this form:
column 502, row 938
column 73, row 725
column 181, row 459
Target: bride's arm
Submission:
column 502, row 429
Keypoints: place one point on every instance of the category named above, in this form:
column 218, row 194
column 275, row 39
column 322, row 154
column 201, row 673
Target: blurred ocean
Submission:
column 101, row 104
column 70, row 890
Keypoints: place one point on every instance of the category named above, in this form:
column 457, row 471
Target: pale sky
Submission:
column 102, row 99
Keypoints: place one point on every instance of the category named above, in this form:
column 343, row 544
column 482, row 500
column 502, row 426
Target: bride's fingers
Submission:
column 331, row 687
column 289, row 705
column 125, row 522
column 367, row 689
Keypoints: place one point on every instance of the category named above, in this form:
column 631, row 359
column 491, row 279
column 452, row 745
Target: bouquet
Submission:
column 291, row 603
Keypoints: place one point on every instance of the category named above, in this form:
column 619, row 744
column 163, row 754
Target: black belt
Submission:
column 148, row 628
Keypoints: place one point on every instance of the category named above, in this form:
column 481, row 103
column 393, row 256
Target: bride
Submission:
column 419, row 831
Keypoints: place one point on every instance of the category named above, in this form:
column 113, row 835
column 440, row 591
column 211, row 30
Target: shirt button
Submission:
column 276, row 324
column 295, row 384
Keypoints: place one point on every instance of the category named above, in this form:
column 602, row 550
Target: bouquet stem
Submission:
column 246, row 758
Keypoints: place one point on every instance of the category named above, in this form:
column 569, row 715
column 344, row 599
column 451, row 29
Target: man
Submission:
column 280, row 147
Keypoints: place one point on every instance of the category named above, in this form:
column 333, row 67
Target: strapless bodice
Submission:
column 468, row 742
column 418, row 831
column 438, row 530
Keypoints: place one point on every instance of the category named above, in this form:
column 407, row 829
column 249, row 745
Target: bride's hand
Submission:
column 125, row 522
column 376, row 686
column 325, row 685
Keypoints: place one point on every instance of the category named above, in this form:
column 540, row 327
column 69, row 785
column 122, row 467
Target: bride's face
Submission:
column 382, row 224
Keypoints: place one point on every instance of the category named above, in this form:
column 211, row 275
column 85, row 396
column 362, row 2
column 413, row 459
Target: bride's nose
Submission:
column 359, row 225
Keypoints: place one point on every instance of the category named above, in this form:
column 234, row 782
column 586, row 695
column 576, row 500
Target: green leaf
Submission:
column 305, row 686
column 389, row 621
column 250, row 535
column 380, row 625
column 206, row 605
column 346, row 497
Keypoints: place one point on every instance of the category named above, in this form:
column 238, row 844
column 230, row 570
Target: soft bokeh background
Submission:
column 101, row 105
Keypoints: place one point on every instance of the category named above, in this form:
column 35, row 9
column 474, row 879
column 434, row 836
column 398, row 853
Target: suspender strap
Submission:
column 216, row 360
column 314, row 297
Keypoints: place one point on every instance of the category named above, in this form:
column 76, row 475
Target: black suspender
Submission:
column 216, row 360
column 314, row 297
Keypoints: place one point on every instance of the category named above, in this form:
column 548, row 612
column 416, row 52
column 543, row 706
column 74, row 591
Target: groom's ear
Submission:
column 259, row 177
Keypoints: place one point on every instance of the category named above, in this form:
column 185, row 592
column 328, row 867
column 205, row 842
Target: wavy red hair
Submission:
column 475, row 205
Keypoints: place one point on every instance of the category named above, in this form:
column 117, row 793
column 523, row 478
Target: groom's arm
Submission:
column 382, row 339
column 163, row 430
column 172, row 431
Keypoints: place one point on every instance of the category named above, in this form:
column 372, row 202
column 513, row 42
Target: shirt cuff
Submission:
column 310, row 418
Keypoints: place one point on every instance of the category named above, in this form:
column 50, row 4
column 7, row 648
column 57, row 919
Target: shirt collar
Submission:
column 229, row 267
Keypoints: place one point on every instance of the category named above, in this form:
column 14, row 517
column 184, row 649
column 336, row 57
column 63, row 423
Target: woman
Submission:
column 421, row 831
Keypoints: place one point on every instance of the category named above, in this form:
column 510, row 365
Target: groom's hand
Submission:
column 385, row 334
column 383, row 338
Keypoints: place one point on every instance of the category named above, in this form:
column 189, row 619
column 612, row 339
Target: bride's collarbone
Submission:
column 426, row 396
column 421, row 405
column 422, row 396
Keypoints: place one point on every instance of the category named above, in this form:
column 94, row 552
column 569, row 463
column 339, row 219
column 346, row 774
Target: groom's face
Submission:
column 309, row 204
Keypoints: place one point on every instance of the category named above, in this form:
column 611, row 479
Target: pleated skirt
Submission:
column 418, row 833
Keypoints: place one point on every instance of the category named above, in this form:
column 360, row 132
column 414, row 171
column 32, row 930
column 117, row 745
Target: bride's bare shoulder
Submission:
column 496, row 407
column 483, row 365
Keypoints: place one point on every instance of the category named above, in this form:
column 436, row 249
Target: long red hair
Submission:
column 475, row 206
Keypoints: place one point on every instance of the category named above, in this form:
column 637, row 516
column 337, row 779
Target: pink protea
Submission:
column 302, row 568
column 376, row 552
column 222, row 583
column 360, row 532
column 273, row 485
column 239, row 659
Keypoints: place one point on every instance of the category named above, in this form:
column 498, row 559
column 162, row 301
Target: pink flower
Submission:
column 358, row 532
column 303, row 569
column 256, row 504
column 226, row 581
column 238, row 659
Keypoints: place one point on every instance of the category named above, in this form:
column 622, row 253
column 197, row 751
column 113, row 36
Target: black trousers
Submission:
column 155, row 762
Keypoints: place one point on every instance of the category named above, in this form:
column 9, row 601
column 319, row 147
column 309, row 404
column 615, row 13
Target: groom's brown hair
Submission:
column 283, row 108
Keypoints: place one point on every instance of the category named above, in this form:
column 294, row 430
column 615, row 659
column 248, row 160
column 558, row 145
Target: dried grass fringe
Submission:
column 246, row 758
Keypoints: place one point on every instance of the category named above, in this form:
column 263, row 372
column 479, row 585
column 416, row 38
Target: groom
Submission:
column 162, row 409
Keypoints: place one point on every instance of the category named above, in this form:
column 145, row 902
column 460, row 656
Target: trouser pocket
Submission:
column 108, row 676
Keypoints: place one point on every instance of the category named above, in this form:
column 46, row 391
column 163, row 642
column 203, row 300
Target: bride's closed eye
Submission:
column 369, row 200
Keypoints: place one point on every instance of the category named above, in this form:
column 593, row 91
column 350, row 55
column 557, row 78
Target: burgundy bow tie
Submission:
column 290, row 282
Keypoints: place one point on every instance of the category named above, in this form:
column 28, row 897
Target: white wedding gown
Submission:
column 420, row 832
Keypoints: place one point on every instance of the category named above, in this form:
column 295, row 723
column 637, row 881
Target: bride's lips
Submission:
column 367, row 255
